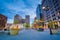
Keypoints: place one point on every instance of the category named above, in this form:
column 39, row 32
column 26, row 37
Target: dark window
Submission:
column 58, row 17
column 53, row 15
column 59, row 21
column 59, row 11
column 58, row 8
column 55, row 1
column 56, row 5
column 54, row 18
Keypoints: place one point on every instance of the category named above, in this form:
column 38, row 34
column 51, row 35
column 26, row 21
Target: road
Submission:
column 30, row 34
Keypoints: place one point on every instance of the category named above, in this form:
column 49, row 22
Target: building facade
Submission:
column 3, row 21
column 27, row 19
column 17, row 19
column 51, row 11
column 38, row 11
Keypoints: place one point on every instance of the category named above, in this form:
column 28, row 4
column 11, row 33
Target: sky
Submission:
column 10, row 8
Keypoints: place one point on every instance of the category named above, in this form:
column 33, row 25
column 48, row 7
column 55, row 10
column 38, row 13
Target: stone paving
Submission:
column 30, row 34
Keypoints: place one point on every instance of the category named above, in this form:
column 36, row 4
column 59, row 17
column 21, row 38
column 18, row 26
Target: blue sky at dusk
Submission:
column 10, row 8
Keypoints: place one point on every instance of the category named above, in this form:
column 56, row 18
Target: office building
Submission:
column 27, row 19
column 39, row 12
column 17, row 19
column 51, row 10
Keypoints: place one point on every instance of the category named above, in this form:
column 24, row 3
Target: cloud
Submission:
column 30, row 12
column 22, row 7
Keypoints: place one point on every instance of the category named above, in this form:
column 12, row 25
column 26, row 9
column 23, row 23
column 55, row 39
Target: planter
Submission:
column 55, row 31
column 14, row 32
column 40, row 29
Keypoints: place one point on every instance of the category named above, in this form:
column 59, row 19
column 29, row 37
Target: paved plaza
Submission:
column 30, row 34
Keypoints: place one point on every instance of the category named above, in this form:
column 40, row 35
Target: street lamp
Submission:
column 46, row 8
column 43, row 7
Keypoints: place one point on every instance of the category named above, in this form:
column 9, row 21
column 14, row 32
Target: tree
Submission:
column 16, row 22
column 26, row 25
column 50, row 26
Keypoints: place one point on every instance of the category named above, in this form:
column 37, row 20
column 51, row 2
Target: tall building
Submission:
column 39, row 12
column 17, row 19
column 27, row 19
column 51, row 10
column 3, row 21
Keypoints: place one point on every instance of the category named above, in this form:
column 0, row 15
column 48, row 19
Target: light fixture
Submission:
column 43, row 8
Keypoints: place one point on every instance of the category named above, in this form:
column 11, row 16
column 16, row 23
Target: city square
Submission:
column 29, row 19
column 30, row 34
